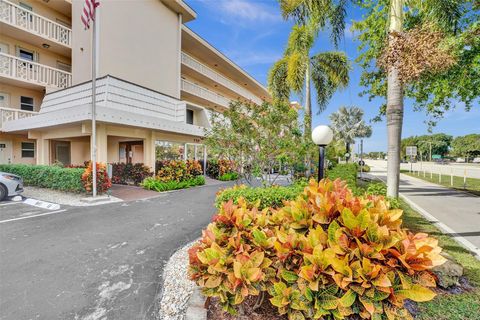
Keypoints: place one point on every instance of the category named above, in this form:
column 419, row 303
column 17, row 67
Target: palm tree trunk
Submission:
column 347, row 149
column 394, row 108
column 307, row 121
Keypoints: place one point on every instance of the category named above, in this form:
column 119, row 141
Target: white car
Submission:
column 10, row 185
column 460, row 160
column 476, row 160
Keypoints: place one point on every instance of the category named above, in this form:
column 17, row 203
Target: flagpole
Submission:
column 94, row 89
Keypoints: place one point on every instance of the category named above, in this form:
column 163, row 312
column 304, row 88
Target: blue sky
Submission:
column 253, row 34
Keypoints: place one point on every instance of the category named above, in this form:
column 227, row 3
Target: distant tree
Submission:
column 348, row 125
column 376, row 155
column 466, row 146
column 256, row 137
column 439, row 142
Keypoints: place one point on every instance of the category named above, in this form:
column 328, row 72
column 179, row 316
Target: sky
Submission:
column 253, row 34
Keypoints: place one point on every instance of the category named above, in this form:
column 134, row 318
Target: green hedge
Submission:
column 154, row 184
column 52, row 177
column 229, row 176
column 345, row 171
column 268, row 197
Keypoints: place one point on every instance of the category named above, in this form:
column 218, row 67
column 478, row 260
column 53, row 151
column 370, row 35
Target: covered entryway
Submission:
column 61, row 152
column 5, row 152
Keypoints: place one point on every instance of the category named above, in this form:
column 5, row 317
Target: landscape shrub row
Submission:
column 52, row 177
column 128, row 173
column 154, row 184
column 222, row 169
column 326, row 254
column 178, row 170
column 103, row 181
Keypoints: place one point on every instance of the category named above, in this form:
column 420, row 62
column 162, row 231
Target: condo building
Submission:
column 158, row 82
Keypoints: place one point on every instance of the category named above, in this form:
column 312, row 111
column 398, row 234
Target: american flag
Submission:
column 88, row 13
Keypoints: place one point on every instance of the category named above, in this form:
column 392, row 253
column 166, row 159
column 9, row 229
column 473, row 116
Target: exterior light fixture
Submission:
column 46, row 45
column 322, row 136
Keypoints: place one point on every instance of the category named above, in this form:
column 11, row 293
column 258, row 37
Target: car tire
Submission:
column 3, row 192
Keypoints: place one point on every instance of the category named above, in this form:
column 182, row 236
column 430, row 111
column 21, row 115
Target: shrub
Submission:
column 159, row 186
column 262, row 197
column 229, row 176
column 177, row 170
column 364, row 168
column 327, row 254
column 219, row 168
column 103, row 181
column 380, row 189
column 125, row 173
column 52, row 177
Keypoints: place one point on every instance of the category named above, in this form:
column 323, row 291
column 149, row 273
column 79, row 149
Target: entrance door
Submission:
column 62, row 152
column 5, row 152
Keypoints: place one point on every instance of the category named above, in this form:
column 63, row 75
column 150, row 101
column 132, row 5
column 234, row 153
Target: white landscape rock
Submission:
column 177, row 288
column 63, row 198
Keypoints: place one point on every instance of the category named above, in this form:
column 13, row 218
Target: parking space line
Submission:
column 10, row 203
column 37, row 215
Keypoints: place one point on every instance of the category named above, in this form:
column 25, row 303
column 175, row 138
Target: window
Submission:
column 189, row 116
column 25, row 6
column 4, row 97
column 26, row 54
column 26, row 103
column 28, row 150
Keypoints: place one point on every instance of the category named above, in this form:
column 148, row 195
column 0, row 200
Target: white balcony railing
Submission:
column 32, row 72
column 204, row 93
column 27, row 20
column 9, row 114
column 217, row 77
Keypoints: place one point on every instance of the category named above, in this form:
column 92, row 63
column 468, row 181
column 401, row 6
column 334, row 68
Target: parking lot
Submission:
column 27, row 209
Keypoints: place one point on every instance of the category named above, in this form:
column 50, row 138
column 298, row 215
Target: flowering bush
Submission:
column 124, row 173
column 103, row 181
column 327, row 254
column 177, row 170
column 219, row 168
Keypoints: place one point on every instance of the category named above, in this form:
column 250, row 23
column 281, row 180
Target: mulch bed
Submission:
column 265, row 312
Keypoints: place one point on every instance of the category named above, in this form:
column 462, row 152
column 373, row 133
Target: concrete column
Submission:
column 195, row 152
column 43, row 151
column 102, row 143
column 149, row 150
column 204, row 160
column 185, row 152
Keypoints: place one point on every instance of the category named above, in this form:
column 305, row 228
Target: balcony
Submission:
column 9, row 114
column 195, row 91
column 33, row 23
column 199, row 67
column 18, row 69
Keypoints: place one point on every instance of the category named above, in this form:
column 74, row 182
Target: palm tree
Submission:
column 298, row 69
column 348, row 124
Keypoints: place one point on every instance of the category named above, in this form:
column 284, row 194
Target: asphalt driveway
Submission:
column 89, row 263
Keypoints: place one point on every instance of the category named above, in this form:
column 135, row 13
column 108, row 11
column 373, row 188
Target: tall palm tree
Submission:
column 328, row 71
column 348, row 125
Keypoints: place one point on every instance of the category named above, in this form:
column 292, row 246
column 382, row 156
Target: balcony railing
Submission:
column 32, row 72
column 9, row 114
column 27, row 20
column 217, row 77
column 204, row 93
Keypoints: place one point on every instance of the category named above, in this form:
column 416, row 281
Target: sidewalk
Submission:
column 454, row 212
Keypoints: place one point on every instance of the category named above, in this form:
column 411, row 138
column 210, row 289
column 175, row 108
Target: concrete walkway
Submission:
column 454, row 212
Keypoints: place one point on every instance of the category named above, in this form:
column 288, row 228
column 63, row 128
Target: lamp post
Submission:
column 321, row 136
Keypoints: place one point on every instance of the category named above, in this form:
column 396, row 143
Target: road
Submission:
column 471, row 170
column 457, row 210
column 89, row 263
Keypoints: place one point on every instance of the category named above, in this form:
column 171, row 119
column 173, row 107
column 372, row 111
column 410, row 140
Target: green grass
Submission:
column 472, row 185
column 448, row 306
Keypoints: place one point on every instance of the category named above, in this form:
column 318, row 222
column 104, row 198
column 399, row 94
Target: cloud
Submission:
column 243, row 11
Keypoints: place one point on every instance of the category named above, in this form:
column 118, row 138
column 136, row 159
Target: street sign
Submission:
column 411, row 151
column 436, row 156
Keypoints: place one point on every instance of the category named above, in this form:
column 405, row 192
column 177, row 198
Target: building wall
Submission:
column 45, row 56
column 16, row 141
column 16, row 92
column 142, row 48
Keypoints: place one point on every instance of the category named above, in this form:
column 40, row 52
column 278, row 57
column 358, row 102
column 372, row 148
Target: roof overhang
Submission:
column 178, row 6
column 198, row 47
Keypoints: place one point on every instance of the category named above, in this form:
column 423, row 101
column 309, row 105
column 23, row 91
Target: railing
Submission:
column 215, row 76
column 8, row 114
column 204, row 93
column 27, row 20
column 20, row 69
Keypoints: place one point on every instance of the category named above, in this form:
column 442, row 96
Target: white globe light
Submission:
column 322, row 135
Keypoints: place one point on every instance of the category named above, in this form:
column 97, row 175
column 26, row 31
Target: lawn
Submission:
column 472, row 185
column 461, row 306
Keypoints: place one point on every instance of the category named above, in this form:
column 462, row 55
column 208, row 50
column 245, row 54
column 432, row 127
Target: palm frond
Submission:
column 296, row 70
column 277, row 80
column 300, row 39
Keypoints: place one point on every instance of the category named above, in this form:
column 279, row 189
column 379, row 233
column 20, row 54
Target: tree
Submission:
column 397, row 30
column 348, row 125
column 427, row 145
column 467, row 146
column 328, row 71
column 256, row 137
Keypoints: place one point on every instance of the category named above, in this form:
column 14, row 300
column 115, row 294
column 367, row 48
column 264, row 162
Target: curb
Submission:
column 196, row 306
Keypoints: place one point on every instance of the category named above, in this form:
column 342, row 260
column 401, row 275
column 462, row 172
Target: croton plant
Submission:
column 325, row 255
